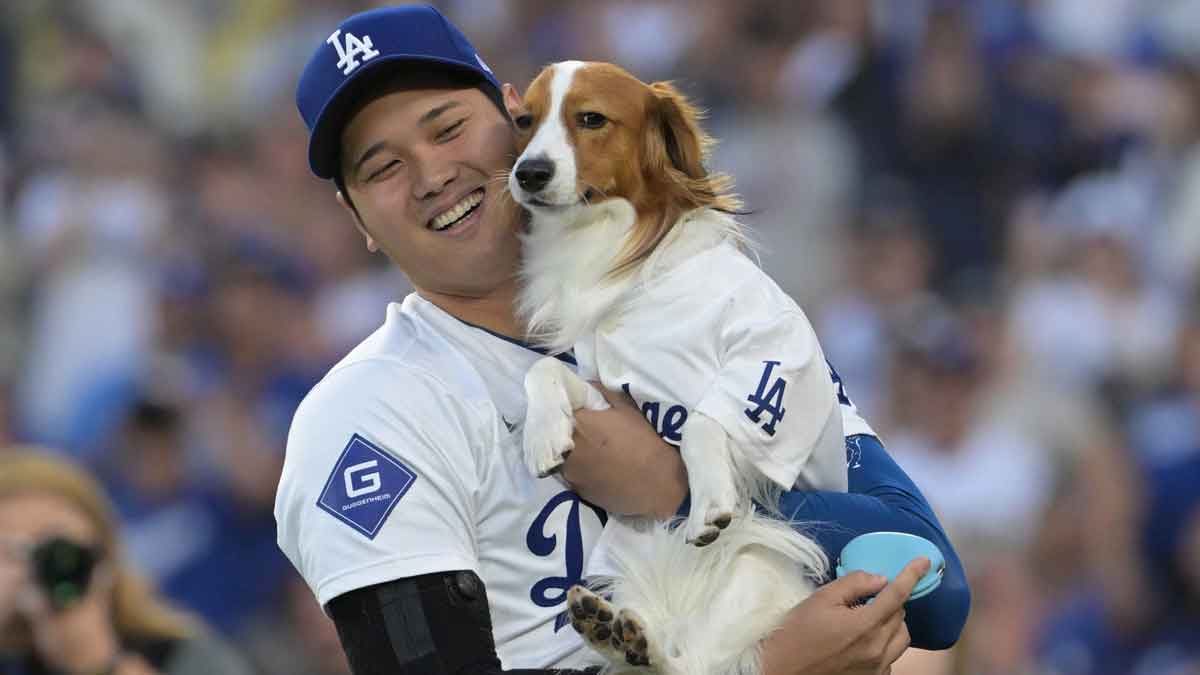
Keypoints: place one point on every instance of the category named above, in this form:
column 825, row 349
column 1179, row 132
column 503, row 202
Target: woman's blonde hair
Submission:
column 139, row 612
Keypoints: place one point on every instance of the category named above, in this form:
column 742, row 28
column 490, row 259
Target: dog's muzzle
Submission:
column 534, row 174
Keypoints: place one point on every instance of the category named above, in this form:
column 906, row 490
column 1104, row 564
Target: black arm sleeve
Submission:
column 434, row 624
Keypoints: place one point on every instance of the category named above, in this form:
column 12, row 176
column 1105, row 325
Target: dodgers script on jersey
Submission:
column 404, row 461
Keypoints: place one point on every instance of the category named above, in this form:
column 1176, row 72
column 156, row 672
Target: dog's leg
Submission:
column 553, row 393
column 706, row 452
column 619, row 636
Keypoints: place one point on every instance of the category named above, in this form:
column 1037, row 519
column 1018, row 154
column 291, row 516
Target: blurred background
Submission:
column 989, row 208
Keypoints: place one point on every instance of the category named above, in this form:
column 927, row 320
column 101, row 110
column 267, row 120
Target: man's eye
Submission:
column 523, row 122
column 382, row 170
column 449, row 131
column 591, row 120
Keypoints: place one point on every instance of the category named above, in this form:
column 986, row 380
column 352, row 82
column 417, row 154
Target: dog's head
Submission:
column 591, row 132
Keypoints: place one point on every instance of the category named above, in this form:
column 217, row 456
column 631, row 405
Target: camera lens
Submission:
column 63, row 570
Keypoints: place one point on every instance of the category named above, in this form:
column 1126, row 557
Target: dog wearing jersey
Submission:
column 633, row 259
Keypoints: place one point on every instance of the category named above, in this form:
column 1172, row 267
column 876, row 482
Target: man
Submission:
column 404, row 502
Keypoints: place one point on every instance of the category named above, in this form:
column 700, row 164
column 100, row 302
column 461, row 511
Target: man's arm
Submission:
column 438, row 624
column 882, row 497
column 434, row 624
column 620, row 464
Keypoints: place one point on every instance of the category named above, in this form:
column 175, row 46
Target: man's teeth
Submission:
column 456, row 212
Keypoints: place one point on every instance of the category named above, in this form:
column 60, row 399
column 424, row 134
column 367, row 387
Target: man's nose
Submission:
column 432, row 177
column 534, row 174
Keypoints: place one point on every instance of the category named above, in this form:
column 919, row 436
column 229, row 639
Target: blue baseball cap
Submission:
column 360, row 46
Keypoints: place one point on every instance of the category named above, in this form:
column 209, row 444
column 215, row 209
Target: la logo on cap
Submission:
column 349, row 53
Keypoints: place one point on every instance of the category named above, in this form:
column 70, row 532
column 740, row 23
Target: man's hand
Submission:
column 620, row 464
column 831, row 634
column 81, row 638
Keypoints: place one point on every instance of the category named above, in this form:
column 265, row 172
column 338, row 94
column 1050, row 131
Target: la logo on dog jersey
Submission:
column 364, row 487
column 768, row 399
column 353, row 48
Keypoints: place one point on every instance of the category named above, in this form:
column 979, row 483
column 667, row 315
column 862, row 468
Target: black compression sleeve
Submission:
column 434, row 624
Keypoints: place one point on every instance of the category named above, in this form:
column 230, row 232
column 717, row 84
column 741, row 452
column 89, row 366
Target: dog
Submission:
column 634, row 259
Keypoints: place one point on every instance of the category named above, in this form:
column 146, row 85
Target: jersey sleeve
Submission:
column 773, row 393
column 379, row 480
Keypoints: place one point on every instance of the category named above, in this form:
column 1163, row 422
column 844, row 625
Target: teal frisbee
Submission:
column 886, row 553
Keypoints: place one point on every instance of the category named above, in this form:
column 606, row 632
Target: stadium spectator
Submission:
column 226, row 568
column 70, row 602
column 317, row 649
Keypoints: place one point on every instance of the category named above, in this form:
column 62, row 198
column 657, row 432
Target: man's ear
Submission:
column 512, row 100
column 358, row 224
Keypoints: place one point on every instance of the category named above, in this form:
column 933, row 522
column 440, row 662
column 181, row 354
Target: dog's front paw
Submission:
column 708, row 517
column 547, row 440
column 711, row 476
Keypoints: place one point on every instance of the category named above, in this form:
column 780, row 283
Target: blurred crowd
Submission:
column 989, row 208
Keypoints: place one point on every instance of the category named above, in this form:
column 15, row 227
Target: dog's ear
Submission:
column 675, row 138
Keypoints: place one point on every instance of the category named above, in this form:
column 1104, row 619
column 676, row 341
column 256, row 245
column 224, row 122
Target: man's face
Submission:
column 426, row 169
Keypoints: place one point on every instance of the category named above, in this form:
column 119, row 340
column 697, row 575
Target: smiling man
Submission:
column 404, row 502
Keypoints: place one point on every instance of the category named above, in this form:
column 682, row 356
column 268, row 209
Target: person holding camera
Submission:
column 69, row 601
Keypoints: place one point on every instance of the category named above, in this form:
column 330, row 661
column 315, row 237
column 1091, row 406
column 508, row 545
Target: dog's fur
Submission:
column 703, row 611
column 630, row 199
column 632, row 185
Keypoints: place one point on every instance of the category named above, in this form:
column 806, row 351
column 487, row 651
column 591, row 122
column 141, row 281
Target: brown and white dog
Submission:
column 633, row 260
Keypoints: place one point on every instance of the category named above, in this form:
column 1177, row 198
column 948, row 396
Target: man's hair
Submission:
column 402, row 77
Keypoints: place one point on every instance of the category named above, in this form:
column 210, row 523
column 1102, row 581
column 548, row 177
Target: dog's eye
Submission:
column 591, row 120
column 523, row 122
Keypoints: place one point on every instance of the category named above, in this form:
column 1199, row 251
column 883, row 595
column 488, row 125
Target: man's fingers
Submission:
column 897, row 643
column 851, row 589
column 895, row 594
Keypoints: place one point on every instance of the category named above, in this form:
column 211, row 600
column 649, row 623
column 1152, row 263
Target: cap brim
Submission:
column 325, row 140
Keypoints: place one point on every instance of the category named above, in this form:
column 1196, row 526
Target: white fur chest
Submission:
column 566, row 287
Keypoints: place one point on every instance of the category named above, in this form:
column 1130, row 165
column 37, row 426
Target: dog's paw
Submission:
column 700, row 534
column 547, row 441
column 633, row 638
column 707, row 519
column 594, row 618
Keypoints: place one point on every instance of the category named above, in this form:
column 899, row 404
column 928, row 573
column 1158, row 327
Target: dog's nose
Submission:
column 534, row 174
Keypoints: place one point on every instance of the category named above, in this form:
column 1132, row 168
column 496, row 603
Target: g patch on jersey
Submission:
column 366, row 484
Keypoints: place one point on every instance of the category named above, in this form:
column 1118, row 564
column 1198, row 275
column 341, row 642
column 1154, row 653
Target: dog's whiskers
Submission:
column 500, row 178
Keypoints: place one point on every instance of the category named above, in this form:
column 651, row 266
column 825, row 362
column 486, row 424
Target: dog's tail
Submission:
column 706, row 608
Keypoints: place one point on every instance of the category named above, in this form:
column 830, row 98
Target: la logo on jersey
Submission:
column 768, row 400
column 350, row 51
column 364, row 487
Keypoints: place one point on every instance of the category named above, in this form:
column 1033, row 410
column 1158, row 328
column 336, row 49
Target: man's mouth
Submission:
column 457, row 213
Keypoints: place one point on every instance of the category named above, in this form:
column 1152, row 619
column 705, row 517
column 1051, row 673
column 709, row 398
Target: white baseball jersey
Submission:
column 716, row 335
column 402, row 462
